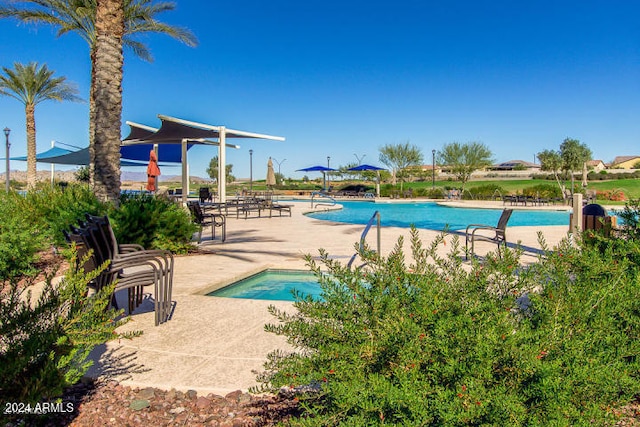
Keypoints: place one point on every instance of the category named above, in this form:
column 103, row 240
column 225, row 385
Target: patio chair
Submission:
column 214, row 220
column 496, row 234
column 205, row 195
column 132, row 266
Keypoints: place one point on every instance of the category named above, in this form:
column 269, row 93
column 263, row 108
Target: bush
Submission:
column 20, row 237
column 487, row 191
column 153, row 222
column 434, row 343
column 45, row 341
column 549, row 191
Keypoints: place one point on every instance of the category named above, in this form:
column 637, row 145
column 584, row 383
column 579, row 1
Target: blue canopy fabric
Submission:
column 61, row 156
column 316, row 169
column 363, row 168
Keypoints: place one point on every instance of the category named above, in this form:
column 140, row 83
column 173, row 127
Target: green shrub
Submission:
column 58, row 208
column 153, row 222
column 45, row 341
column 435, row 343
column 549, row 191
column 487, row 191
column 20, row 237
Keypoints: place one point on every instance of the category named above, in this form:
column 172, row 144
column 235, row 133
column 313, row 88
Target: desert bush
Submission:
column 543, row 190
column 153, row 222
column 430, row 342
column 487, row 191
column 45, row 341
column 20, row 237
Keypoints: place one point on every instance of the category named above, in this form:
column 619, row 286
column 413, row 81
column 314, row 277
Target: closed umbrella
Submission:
column 271, row 175
column 153, row 171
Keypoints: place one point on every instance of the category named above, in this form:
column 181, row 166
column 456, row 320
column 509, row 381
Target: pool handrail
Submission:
column 326, row 196
column 363, row 236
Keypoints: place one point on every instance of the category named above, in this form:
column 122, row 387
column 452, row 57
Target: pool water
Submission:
column 272, row 285
column 433, row 216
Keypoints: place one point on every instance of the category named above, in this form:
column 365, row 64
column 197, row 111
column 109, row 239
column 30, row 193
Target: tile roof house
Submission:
column 625, row 162
column 596, row 165
column 515, row 165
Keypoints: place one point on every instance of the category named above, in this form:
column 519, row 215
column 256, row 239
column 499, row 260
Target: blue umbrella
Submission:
column 322, row 169
column 363, row 168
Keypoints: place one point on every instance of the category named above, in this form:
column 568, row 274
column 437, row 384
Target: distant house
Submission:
column 515, row 165
column 596, row 165
column 625, row 162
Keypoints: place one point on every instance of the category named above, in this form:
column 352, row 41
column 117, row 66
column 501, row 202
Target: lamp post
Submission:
column 433, row 169
column 250, row 171
column 360, row 158
column 279, row 163
column 7, row 131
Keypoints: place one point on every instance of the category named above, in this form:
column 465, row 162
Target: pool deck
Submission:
column 214, row 345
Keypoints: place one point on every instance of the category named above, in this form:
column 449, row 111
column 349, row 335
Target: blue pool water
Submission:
column 272, row 285
column 432, row 216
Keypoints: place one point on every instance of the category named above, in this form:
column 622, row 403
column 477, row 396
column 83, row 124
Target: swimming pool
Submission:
column 433, row 216
column 272, row 285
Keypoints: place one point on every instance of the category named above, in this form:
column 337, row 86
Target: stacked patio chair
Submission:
column 130, row 266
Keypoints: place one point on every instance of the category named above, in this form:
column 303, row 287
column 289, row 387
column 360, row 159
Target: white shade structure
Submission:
column 179, row 131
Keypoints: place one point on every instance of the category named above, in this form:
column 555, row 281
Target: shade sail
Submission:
column 364, row 168
column 61, row 156
column 316, row 169
column 181, row 133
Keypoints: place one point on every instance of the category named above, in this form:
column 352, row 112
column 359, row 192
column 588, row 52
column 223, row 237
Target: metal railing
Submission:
column 375, row 217
column 331, row 202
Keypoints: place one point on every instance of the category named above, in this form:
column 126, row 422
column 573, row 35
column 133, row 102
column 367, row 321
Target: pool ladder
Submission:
column 375, row 217
column 315, row 194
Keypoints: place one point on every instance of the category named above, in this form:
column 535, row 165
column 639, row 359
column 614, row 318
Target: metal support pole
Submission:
column 433, row 169
column 250, row 171
column 328, row 160
column 7, row 131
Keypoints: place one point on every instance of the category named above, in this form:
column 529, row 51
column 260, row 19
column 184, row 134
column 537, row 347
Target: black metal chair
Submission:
column 214, row 220
column 497, row 234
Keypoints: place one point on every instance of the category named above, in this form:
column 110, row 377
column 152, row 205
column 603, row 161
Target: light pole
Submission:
column 7, row 131
column 250, row 171
column 433, row 169
column 279, row 163
column 360, row 158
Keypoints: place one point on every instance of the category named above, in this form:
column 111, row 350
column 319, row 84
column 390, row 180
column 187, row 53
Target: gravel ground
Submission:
column 111, row 404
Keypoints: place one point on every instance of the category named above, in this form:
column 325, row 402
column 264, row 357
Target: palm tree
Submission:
column 31, row 84
column 80, row 16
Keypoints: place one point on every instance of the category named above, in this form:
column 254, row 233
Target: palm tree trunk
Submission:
column 31, row 145
column 107, row 97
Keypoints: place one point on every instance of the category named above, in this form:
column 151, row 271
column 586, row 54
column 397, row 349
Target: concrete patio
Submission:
column 215, row 345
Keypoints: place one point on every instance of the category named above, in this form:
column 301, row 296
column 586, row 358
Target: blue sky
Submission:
column 343, row 78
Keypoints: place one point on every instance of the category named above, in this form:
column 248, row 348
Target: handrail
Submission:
column 363, row 236
column 317, row 193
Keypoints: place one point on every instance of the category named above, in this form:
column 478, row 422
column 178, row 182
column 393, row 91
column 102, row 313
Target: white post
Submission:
column 53, row 166
column 576, row 226
column 185, row 173
column 222, row 165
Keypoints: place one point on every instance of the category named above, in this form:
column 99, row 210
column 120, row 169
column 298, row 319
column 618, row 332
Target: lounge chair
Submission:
column 496, row 234
column 214, row 220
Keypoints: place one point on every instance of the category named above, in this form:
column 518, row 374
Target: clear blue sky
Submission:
column 343, row 78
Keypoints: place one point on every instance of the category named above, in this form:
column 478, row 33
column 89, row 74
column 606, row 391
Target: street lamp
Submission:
column 433, row 169
column 250, row 171
column 279, row 163
column 360, row 158
column 7, row 131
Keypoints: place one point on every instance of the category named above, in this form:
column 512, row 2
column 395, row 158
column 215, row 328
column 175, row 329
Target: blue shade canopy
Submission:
column 363, row 168
column 316, row 169
column 61, row 156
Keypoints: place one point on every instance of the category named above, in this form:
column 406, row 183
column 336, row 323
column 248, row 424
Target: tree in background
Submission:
column 80, row 16
column 32, row 84
column 398, row 157
column 212, row 170
column 574, row 156
column 571, row 157
column 464, row 159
